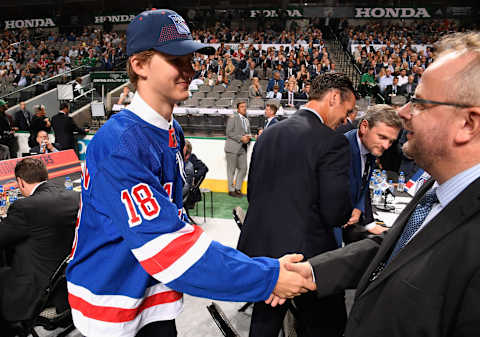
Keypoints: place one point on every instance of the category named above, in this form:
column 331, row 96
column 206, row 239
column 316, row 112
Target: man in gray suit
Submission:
column 238, row 137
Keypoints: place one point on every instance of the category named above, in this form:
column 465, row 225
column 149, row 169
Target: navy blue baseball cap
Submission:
column 165, row 31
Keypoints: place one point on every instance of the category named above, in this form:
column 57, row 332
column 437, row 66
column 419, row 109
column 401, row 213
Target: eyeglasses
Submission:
column 418, row 104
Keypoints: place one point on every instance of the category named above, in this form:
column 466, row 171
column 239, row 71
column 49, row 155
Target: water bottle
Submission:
column 43, row 147
column 377, row 194
column 3, row 202
column 12, row 196
column 372, row 182
column 68, row 184
column 384, row 175
column 401, row 182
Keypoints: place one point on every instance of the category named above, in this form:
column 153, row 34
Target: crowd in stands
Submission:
column 394, row 61
column 27, row 58
column 279, row 72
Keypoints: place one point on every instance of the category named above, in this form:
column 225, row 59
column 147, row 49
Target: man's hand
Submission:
column 291, row 263
column 354, row 218
column 377, row 230
column 245, row 139
column 290, row 283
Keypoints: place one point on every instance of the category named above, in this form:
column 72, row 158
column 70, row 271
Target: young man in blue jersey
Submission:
column 134, row 254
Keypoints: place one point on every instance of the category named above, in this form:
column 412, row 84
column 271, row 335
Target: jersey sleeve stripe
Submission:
column 153, row 247
column 186, row 261
column 172, row 252
column 118, row 315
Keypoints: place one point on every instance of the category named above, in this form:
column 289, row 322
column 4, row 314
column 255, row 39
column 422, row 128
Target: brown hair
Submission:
column 143, row 57
column 31, row 170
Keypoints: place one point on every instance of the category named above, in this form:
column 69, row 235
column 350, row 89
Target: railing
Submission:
column 38, row 88
column 350, row 65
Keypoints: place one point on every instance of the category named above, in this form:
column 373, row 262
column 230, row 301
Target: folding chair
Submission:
column 46, row 313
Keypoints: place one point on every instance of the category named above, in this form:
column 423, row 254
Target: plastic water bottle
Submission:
column 377, row 193
column 384, row 175
column 401, row 182
column 372, row 182
column 3, row 202
column 12, row 195
column 68, row 184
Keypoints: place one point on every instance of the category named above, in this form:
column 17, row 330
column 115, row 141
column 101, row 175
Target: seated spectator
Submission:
column 275, row 93
column 393, row 90
column 209, row 80
column 409, row 87
column 304, row 95
column 402, row 78
column 38, row 243
column 43, row 144
column 251, row 71
column 385, row 79
column 195, row 172
column 39, row 122
column 255, row 89
column 367, row 84
column 126, row 96
column 22, row 80
column 303, row 76
column 276, row 80
column 290, row 95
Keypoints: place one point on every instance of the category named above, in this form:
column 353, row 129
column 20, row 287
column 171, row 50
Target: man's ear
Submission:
column 470, row 126
column 139, row 67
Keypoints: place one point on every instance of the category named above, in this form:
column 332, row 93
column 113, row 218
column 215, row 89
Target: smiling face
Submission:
column 167, row 76
column 431, row 128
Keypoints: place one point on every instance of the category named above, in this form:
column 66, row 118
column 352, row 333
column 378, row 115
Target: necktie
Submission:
column 366, row 170
column 416, row 219
column 27, row 118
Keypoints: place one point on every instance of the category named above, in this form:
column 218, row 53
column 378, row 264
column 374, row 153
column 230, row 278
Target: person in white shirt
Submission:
column 275, row 93
column 403, row 78
column 126, row 96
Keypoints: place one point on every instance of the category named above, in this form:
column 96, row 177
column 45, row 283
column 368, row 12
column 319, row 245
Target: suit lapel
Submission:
column 391, row 238
column 456, row 213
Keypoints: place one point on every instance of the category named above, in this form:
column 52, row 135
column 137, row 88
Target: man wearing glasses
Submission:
column 423, row 278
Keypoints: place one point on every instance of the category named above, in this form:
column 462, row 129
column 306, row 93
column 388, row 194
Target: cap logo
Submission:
column 180, row 24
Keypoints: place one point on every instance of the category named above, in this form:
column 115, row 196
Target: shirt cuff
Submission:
column 370, row 226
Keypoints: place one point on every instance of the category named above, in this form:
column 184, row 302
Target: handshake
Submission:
column 294, row 278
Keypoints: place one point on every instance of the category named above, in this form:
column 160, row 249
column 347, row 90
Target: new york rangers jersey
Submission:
column 134, row 255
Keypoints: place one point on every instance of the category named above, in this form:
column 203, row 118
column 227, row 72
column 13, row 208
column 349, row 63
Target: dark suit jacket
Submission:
column 271, row 83
column 389, row 90
column 357, row 193
column 37, row 124
column 21, row 122
column 344, row 128
column 297, row 189
column 64, row 127
column 431, row 288
column 412, row 89
column 40, row 229
column 272, row 122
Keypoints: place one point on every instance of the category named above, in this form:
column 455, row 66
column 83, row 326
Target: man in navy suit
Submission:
column 276, row 80
column 375, row 134
column 270, row 119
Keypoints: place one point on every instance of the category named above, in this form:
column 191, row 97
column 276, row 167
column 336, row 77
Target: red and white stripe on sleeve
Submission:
column 170, row 255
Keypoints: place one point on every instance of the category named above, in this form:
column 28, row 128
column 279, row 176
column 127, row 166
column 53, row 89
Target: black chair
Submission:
column 52, row 310
column 192, row 197
column 222, row 321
